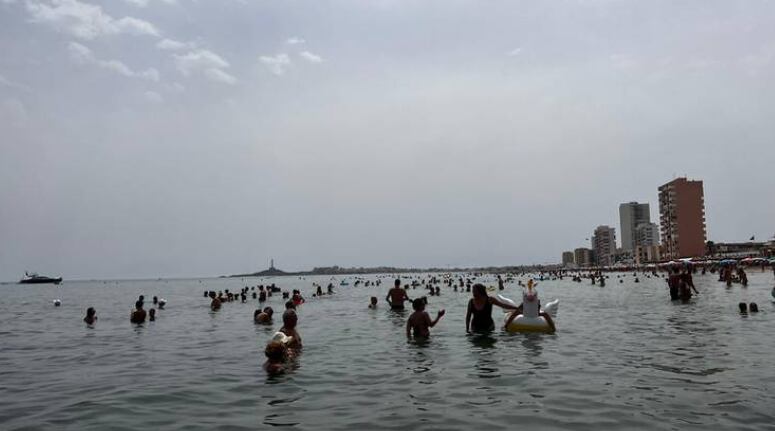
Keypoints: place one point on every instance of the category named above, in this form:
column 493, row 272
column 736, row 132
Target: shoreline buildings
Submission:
column 604, row 245
column 632, row 215
column 583, row 257
column 681, row 229
column 682, row 218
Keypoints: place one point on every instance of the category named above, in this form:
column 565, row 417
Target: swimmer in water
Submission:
column 138, row 314
column 263, row 317
column 743, row 308
column 396, row 296
column 91, row 316
column 479, row 311
column 152, row 315
column 373, row 304
column 215, row 304
column 420, row 321
column 753, row 308
column 297, row 298
column 290, row 319
column 276, row 355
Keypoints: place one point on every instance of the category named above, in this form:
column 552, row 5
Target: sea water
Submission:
column 624, row 357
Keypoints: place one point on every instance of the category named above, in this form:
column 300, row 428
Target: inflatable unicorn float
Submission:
column 530, row 320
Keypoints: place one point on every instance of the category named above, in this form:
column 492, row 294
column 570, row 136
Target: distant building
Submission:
column 682, row 218
column 604, row 245
column 632, row 215
column 568, row 259
column 740, row 249
column 647, row 254
column 625, row 257
column 583, row 257
column 646, row 234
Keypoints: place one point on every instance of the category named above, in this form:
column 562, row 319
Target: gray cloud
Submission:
column 84, row 55
column 310, row 57
column 171, row 45
column 84, row 20
column 210, row 64
column 278, row 64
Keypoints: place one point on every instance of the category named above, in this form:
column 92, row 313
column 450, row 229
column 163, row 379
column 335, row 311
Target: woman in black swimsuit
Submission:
column 480, row 308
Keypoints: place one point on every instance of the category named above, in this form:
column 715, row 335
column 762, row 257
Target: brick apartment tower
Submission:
column 682, row 218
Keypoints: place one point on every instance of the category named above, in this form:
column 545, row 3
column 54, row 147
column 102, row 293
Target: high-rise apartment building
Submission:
column 568, row 258
column 583, row 256
column 604, row 245
column 682, row 218
column 646, row 234
column 631, row 215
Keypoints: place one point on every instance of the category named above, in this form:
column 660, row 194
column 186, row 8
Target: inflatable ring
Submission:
column 527, row 324
column 522, row 323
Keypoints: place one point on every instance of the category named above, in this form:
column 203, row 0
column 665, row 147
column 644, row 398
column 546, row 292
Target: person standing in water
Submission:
column 396, row 296
column 91, row 316
column 479, row 312
column 138, row 314
column 420, row 321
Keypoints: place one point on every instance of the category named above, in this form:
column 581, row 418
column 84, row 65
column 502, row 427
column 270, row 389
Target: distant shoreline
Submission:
column 335, row 270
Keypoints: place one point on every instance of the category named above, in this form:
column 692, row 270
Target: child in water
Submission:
column 276, row 355
column 420, row 321
column 531, row 307
column 373, row 304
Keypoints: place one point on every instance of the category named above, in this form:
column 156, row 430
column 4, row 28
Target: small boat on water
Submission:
column 38, row 279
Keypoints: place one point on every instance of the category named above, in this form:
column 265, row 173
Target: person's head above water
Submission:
column 139, row 305
column 418, row 304
column 290, row 319
column 398, row 282
column 753, row 308
column 373, row 300
column 91, row 311
column 479, row 290
column 268, row 310
column 743, row 307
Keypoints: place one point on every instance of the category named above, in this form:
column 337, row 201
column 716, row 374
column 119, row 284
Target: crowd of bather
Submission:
column 287, row 342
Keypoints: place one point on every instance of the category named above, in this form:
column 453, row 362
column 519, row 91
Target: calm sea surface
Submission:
column 624, row 357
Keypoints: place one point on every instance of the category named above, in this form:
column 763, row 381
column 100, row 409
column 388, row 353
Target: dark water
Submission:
column 624, row 357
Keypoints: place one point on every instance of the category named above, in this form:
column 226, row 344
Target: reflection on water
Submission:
column 625, row 356
column 482, row 340
column 532, row 343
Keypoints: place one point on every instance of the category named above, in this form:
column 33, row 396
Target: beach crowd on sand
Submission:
column 286, row 344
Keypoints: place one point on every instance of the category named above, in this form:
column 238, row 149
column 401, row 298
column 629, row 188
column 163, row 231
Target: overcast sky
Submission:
column 145, row 138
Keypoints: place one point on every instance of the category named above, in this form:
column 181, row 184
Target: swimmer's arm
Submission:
column 409, row 328
column 499, row 303
column 387, row 298
column 434, row 322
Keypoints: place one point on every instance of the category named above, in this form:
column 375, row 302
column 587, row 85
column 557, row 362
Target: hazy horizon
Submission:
column 172, row 138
